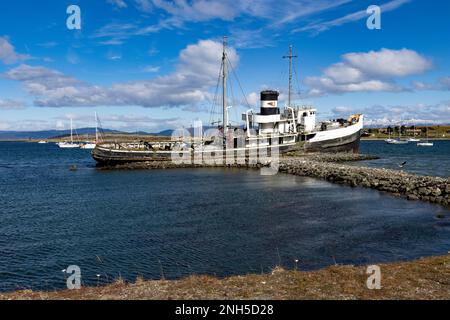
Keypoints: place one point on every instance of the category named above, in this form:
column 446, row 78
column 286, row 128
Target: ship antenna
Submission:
column 96, row 128
column 224, row 84
column 290, row 56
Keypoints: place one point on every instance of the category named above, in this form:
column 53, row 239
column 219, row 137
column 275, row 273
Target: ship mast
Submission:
column 224, row 85
column 96, row 128
column 290, row 56
column 71, row 131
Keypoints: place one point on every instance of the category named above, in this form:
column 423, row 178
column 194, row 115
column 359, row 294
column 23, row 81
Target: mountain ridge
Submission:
column 49, row 134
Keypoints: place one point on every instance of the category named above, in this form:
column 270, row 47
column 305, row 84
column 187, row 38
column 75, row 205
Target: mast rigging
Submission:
column 290, row 57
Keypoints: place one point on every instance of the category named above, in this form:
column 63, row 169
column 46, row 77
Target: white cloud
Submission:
column 405, row 115
column 250, row 39
column 59, row 125
column 341, row 73
column 118, row 3
column 290, row 11
column 200, row 10
column 342, row 110
column 144, row 5
column 152, row 51
column 389, row 63
column 128, row 123
column 253, row 99
column 368, row 72
column 114, row 56
column 196, row 72
column 277, row 12
column 176, row 14
column 47, row 45
column 116, row 33
column 443, row 84
column 151, row 69
column 317, row 27
column 4, row 126
column 322, row 85
column 11, row 104
column 39, row 79
column 8, row 54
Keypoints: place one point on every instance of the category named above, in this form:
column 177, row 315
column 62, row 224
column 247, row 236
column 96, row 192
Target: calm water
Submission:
column 433, row 161
column 181, row 222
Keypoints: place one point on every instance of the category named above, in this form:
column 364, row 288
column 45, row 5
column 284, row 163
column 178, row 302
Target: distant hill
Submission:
column 50, row 134
column 47, row 134
column 165, row 133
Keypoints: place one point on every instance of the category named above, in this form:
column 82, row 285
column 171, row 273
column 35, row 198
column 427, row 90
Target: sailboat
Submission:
column 414, row 133
column 71, row 144
column 92, row 145
column 427, row 143
column 389, row 140
column 399, row 140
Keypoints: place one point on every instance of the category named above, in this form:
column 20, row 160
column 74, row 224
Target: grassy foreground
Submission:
column 427, row 278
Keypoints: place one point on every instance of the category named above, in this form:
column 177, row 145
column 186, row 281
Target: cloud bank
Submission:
column 368, row 72
column 8, row 54
column 196, row 72
column 378, row 115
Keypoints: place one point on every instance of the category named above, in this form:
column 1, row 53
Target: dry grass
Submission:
column 427, row 278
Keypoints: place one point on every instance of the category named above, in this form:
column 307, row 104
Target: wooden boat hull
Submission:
column 108, row 156
column 104, row 155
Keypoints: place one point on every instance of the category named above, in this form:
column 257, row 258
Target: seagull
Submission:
column 402, row 164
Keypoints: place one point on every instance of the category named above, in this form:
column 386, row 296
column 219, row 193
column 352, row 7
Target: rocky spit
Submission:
column 396, row 182
column 331, row 167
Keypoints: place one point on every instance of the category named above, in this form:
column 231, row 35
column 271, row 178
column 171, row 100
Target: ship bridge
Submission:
column 271, row 121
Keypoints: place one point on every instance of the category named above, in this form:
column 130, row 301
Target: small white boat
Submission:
column 425, row 144
column 91, row 145
column 88, row 145
column 414, row 139
column 42, row 142
column 68, row 145
column 71, row 144
column 396, row 141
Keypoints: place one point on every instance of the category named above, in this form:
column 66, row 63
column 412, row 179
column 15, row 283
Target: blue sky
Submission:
column 153, row 64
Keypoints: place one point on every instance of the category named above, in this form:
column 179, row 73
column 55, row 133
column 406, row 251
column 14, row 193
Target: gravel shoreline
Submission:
column 423, row 279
